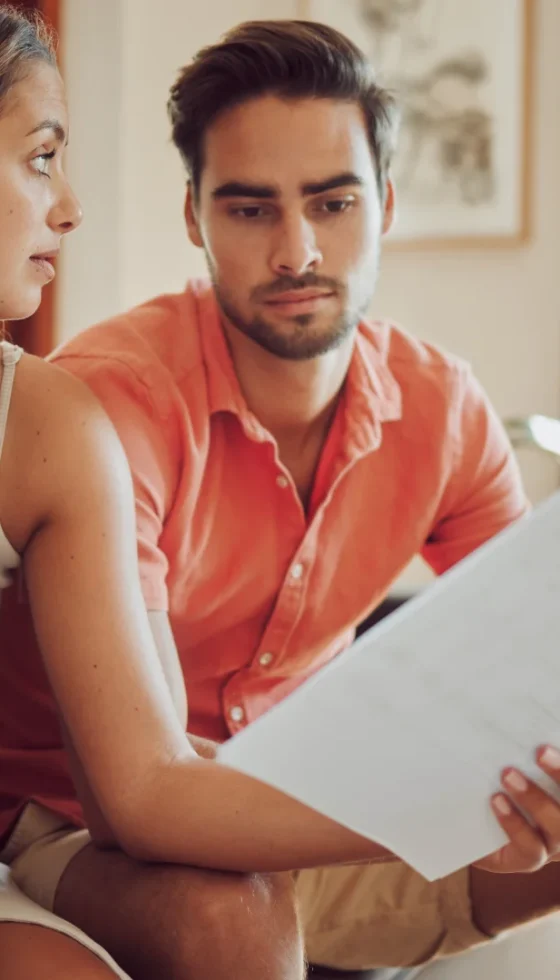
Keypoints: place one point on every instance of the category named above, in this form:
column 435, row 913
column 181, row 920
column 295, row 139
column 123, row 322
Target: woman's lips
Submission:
column 46, row 267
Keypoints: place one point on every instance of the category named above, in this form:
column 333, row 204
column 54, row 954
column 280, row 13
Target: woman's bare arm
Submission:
column 160, row 799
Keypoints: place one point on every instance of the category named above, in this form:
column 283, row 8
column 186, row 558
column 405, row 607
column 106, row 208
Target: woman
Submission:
column 66, row 506
column 37, row 208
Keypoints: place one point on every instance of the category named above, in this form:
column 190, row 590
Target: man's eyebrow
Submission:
column 237, row 188
column 347, row 179
column 55, row 126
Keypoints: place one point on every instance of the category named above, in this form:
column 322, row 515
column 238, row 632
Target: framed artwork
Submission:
column 461, row 70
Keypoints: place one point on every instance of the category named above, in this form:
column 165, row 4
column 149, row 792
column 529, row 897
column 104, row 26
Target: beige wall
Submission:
column 499, row 308
column 121, row 58
column 90, row 284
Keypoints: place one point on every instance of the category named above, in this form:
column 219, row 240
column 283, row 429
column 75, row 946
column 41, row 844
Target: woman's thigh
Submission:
column 32, row 951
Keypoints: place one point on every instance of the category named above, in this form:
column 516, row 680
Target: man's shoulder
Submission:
column 412, row 362
column 155, row 342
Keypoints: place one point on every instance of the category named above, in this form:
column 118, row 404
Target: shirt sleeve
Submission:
column 145, row 436
column 484, row 493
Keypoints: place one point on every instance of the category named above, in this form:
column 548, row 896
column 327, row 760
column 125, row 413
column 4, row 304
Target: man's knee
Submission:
column 245, row 927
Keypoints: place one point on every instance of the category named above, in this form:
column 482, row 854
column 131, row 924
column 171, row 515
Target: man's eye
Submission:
column 338, row 206
column 249, row 211
column 41, row 162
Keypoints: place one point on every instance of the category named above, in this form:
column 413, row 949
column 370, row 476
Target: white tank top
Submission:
column 9, row 355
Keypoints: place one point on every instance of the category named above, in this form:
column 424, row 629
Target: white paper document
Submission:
column 403, row 737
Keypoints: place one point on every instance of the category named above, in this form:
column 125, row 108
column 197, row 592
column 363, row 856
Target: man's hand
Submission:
column 530, row 847
column 203, row 746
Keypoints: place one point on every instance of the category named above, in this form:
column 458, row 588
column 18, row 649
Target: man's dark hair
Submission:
column 289, row 59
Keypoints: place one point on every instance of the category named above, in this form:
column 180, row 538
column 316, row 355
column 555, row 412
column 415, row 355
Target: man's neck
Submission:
column 293, row 400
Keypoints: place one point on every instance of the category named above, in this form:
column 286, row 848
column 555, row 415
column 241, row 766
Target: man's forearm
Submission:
column 502, row 901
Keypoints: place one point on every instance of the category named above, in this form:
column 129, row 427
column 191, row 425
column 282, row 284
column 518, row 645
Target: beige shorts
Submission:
column 354, row 917
column 40, row 847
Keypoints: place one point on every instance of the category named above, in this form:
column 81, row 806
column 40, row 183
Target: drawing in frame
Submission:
column 462, row 73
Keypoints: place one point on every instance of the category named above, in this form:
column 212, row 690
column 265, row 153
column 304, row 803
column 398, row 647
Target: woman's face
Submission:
column 37, row 205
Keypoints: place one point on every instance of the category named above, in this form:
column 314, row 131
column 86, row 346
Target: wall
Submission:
column 500, row 308
column 120, row 58
column 90, row 283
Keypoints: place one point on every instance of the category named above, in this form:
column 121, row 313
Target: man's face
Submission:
column 290, row 218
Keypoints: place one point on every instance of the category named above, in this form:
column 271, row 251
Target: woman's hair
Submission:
column 25, row 39
column 289, row 59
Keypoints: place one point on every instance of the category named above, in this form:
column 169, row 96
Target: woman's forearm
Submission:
column 201, row 813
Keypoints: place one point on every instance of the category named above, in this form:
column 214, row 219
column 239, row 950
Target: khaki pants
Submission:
column 354, row 917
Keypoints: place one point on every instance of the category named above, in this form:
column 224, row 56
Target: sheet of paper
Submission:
column 403, row 737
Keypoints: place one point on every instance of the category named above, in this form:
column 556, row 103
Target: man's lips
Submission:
column 300, row 301
column 299, row 296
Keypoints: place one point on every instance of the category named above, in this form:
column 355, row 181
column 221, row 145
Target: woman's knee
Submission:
column 247, row 926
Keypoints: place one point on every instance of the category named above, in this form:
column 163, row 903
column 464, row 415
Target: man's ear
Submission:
column 390, row 206
column 191, row 218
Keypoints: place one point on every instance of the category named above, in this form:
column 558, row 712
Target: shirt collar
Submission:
column 373, row 394
column 224, row 392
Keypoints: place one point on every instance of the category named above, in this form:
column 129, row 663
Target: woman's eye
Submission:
column 41, row 162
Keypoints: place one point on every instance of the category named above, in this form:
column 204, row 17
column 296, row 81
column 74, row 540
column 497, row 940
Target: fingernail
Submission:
column 550, row 757
column 501, row 806
column 515, row 781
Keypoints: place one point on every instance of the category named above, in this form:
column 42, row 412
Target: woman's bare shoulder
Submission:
column 46, row 388
column 57, row 436
column 52, row 410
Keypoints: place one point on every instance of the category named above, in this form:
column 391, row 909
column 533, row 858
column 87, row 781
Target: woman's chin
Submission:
column 20, row 307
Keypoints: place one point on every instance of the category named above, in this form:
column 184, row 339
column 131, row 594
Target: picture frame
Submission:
column 462, row 73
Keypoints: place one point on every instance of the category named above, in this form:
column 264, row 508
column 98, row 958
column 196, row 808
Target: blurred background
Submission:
column 497, row 306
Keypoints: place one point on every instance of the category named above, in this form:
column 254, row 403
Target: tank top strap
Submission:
column 10, row 355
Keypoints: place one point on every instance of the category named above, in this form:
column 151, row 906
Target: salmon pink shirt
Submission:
column 261, row 593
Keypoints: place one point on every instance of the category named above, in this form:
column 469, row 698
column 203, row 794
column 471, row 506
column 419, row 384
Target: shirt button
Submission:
column 265, row 659
column 297, row 571
column 237, row 714
column 282, row 482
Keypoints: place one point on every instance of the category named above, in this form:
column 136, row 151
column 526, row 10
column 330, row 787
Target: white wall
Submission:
column 90, row 285
column 500, row 308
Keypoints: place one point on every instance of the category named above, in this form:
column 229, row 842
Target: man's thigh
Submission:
column 364, row 917
column 529, row 952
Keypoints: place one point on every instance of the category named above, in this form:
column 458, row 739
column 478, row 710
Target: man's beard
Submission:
column 302, row 343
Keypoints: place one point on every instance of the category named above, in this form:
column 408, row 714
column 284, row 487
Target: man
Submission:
column 289, row 458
